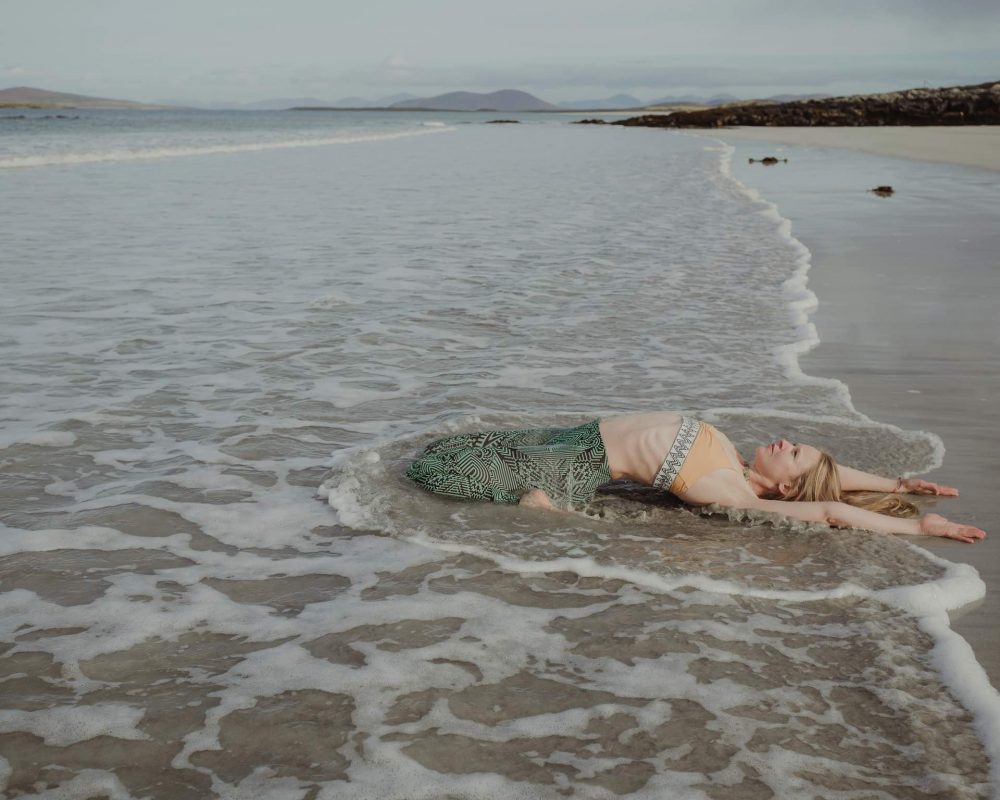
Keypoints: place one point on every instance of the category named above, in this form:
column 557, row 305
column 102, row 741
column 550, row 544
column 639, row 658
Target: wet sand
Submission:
column 907, row 289
column 971, row 145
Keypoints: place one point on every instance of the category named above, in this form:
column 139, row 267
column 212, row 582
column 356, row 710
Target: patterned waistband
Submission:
column 679, row 450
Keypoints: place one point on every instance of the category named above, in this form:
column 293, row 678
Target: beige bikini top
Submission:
column 697, row 450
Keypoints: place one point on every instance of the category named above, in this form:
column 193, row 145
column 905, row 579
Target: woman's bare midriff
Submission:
column 636, row 444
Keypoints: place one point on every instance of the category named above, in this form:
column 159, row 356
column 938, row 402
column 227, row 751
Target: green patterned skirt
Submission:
column 568, row 464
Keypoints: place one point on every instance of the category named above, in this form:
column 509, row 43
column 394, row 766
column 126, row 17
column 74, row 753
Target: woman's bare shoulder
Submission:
column 724, row 487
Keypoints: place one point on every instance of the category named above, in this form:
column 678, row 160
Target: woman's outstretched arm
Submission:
column 842, row 515
column 854, row 480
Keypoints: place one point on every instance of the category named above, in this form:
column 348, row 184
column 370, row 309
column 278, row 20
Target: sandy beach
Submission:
column 906, row 288
column 971, row 146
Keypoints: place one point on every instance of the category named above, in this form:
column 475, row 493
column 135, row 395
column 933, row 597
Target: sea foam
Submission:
column 145, row 153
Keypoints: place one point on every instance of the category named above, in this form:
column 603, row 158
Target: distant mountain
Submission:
column 42, row 98
column 389, row 100
column 721, row 99
column 346, row 102
column 276, row 104
column 679, row 100
column 694, row 100
column 354, row 102
column 504, row 100
column 617, row 101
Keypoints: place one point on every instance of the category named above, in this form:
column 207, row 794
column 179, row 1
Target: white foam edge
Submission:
column 959, row 586
column 121, row 154
column 802, row 301
column 955, row 660
column 952, row 655
column 928, row 603
column 15, row 541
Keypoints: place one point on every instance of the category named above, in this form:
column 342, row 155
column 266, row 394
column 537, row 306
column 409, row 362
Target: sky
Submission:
column 242, row 51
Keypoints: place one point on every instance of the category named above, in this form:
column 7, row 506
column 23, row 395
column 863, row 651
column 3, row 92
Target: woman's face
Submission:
column 783, row 462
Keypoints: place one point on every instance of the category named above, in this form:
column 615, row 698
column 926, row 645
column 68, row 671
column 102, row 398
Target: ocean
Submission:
column 224, row 335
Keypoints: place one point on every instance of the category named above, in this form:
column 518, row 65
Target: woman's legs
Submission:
column 473, row 473
column 566, row 464
column 494, row 439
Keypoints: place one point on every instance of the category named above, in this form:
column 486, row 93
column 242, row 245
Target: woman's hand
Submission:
column 936, row 525
column 919, row 486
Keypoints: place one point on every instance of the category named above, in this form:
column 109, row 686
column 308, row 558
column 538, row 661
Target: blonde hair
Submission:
column 822, row 483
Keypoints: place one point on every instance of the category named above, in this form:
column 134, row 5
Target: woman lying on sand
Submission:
column 681, row 455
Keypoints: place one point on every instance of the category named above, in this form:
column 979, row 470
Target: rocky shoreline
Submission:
column 955, row 105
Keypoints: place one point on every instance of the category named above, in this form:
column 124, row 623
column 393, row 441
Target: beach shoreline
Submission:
column 903, row 316
column 967, row 145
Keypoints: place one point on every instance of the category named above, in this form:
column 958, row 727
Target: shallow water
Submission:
column 195, row 340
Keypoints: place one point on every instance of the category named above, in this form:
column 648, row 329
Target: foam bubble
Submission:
column 88, row 783
column 333, row 300
column 61, row 726
column 40, row 439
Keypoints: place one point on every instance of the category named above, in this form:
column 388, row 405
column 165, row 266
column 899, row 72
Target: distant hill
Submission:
column 346, row 102
column 617, row 101
column 363, row 102
column 26, row 96
column 694, row 100
column 678, row 100
column 274, row 104
column 394, row 98
column 504, row 100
